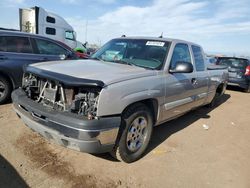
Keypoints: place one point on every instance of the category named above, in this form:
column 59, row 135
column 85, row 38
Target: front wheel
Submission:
column 5, row 89
column 135, row 133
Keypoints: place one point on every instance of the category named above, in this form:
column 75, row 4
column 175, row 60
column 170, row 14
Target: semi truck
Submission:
column 39, row 21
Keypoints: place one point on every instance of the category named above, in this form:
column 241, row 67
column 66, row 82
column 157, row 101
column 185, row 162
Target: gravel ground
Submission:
column 204, row 148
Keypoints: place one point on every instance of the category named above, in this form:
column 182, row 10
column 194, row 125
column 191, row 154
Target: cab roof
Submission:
column 164, row 39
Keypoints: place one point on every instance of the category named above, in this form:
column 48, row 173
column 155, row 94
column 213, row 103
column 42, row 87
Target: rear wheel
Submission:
column 247, row 90
column 214, row 101
column 219, row 92
column 135, row 133
column 5, row 90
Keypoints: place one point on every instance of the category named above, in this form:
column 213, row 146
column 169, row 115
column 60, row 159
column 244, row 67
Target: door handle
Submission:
column 194, row 81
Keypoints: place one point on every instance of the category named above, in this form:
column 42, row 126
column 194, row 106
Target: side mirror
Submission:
column 62, row 57
column 182, row 67
column 68, row 55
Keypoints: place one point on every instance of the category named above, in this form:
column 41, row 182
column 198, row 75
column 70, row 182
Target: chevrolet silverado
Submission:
column 112, row 101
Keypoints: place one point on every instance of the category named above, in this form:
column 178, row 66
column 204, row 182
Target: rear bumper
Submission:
column 67, row 129
column 240, row 82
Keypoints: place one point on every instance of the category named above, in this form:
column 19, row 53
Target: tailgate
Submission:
column 236, row 67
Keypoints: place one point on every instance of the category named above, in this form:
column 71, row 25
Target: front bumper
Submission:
column 65, row 128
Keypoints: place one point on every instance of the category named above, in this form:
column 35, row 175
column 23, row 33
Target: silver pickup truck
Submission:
column 111, row 102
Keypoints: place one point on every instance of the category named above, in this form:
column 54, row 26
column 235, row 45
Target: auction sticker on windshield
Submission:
column 155, row 43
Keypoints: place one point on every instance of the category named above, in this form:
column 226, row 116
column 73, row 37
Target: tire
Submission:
column 5, row 90
column 213, row 103
column 135, row 133
column 247, row 90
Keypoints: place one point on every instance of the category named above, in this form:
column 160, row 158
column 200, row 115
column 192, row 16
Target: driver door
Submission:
column 179, row 87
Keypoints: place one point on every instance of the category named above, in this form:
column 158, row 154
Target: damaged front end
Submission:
column 63, row 109
column 81, row 100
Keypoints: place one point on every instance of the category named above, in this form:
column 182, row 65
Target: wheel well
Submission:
column 152, row 104
column 8, row 78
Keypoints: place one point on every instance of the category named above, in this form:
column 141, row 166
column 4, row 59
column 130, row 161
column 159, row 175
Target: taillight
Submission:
column 247, row 73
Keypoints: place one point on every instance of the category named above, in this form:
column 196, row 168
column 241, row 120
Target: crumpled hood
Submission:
column 106, row 72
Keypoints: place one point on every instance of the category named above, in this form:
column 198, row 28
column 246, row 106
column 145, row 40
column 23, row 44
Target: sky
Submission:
column 220, row 26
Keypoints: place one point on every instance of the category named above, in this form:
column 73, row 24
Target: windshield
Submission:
column 70, row 35
column 143, row 53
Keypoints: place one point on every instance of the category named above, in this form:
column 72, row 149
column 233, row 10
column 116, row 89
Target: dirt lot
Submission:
column 182, row 154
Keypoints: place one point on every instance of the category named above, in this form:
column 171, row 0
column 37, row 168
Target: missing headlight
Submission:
column 85, row 103
column 82, row 101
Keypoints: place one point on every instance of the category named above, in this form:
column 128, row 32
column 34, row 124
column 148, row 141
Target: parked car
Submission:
column 111, row 102
column 82, row 55
column 91, row 51
column 18, row 49
column 239, row 71
column 212, row 59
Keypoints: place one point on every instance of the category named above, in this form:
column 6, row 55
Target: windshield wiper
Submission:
column 124, row 62
column 132, row 64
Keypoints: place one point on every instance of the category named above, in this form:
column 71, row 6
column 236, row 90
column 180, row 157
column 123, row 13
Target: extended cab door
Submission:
column 180, row 93
column 202, row 77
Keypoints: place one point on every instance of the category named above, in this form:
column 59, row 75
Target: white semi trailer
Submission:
column 39, row 21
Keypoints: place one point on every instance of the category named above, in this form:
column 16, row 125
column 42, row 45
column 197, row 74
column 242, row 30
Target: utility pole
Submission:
column 86, row 31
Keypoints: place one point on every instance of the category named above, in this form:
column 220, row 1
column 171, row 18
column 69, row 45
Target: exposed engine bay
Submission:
column 82, row 101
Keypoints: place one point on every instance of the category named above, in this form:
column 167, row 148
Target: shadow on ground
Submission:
column 9, row 177
column 162, row 132
column 235, row 88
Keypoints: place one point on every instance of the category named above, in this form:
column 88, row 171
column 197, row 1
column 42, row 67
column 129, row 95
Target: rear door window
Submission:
column 49, row 48
column 15, row 44
column 198, row 58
